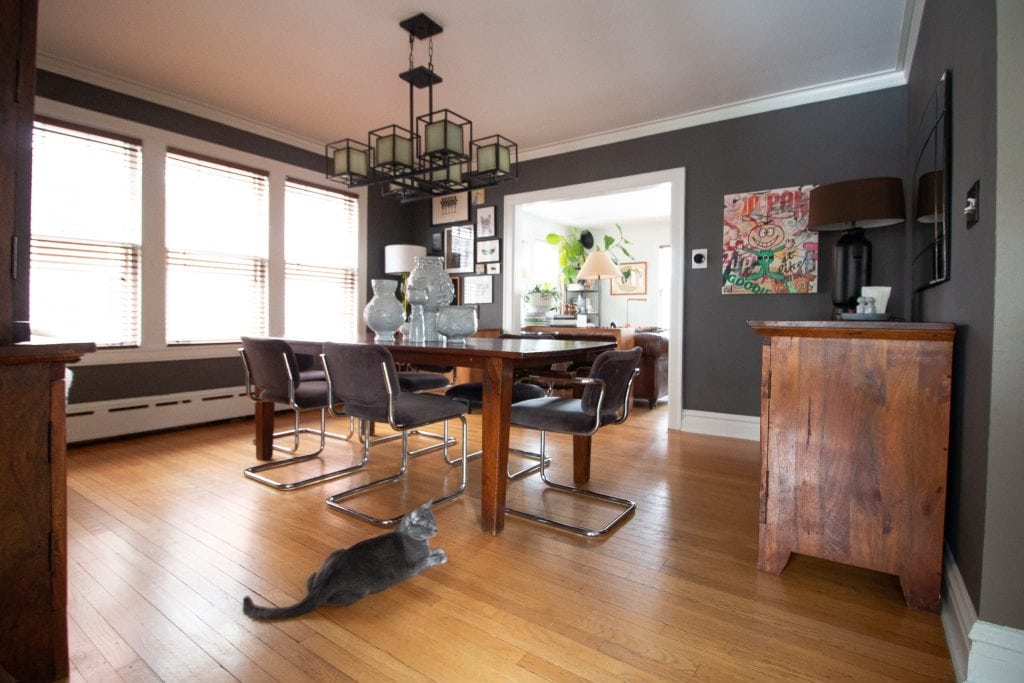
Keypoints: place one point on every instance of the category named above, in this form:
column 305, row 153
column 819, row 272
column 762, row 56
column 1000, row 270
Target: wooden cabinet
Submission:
column 623, row 335
column 854, row 442
column 33, row 510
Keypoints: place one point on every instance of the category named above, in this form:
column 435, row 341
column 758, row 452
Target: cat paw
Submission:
column 438, row 557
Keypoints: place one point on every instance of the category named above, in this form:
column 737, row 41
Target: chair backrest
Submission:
column 616, row 370
column 354, row 372
column 270, row 361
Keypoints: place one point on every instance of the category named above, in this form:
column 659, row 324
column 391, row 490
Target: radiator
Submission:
column 103, row 419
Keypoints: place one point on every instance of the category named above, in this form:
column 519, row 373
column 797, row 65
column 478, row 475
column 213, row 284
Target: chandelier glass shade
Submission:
column 435, row 154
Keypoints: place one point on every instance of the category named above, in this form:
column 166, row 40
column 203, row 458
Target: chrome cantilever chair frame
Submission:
column 404, row 429
column 255, row 472
column 628, row 506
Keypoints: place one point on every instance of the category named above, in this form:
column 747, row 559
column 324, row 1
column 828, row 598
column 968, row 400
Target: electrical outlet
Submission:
column 699, row 259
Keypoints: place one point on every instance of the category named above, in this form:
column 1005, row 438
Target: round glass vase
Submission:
column 384, row 313
column 429, row 274
column 456, row 323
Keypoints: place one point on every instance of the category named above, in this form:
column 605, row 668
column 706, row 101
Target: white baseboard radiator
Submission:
column 104, row 419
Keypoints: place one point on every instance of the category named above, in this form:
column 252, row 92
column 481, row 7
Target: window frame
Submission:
column 155, row 143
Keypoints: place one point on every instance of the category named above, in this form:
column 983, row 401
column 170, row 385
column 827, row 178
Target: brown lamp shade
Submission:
column 931, row 194
column 863, row 203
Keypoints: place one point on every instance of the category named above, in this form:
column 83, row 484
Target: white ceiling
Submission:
column 549, row 74
column 632, row 208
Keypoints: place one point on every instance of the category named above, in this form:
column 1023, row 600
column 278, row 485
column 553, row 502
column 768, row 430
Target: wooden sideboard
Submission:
column 623, row 335
column 854, row 443
column 33, row 510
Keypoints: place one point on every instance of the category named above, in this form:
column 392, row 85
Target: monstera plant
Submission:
column 576, row 243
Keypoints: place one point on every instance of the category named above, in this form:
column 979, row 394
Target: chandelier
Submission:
column 435, row 155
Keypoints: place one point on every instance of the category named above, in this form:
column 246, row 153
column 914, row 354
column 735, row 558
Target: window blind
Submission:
column 86, row 233
column 321, row 262
column 216, row 234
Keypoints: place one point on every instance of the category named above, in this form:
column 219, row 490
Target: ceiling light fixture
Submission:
column 435, row 155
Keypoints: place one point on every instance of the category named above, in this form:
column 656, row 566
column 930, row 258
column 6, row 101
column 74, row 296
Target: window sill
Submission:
column 120, row 356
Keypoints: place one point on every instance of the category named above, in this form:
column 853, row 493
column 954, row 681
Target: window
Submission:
column 664, row 287
column 321, row 231
column 216, row 227
column 86, row 235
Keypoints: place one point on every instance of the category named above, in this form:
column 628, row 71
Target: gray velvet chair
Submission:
column 273, row 373
column 364, row 379
column 605, row 401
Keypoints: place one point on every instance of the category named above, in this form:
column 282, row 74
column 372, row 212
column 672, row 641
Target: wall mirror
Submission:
column 931, row 183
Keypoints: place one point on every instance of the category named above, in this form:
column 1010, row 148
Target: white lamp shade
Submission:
column 400, row 258
column 598, row 265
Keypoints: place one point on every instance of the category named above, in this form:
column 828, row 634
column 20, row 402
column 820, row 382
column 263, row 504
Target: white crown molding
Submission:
column 162, row 97
column 793, row 98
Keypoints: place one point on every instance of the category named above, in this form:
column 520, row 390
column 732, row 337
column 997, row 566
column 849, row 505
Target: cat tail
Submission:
column 307, row 604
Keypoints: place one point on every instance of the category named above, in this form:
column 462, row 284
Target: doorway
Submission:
column 516, row 209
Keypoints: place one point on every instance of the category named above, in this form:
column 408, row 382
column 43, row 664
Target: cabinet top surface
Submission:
column 853, row 329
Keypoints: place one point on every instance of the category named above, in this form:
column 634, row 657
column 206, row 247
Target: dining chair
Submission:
column 363, row 378
column 273, row 373
column 604, row 401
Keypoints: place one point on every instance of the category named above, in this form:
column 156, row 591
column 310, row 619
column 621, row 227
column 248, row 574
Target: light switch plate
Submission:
column 699, row 259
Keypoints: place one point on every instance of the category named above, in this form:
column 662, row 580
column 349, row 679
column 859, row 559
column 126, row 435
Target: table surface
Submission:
column 498, row 358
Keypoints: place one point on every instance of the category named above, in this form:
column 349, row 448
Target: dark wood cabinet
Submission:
column 854, row 443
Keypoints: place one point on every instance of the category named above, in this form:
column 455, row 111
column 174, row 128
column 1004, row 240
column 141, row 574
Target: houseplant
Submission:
column 540, row 298
column 574, row 245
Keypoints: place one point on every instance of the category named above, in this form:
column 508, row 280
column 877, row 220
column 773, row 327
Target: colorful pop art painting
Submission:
column 766, row 246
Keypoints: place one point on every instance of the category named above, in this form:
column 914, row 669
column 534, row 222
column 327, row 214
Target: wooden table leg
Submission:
column 264, row 430
column 497, row 413
column 580, row 459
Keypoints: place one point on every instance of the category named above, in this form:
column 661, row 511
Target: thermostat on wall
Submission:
column 699, row 258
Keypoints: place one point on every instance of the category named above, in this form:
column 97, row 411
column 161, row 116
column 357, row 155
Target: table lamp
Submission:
column 399, row 259
column 854, row 206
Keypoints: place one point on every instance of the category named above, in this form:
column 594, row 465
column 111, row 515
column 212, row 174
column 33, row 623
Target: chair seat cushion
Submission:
column 411, row 410
column 472, row 393
column 553, row 414
column 307, row 395
column 312, row 375
column 421, row 381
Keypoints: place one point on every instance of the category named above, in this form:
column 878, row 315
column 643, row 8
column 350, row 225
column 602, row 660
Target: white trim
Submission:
column 980, row 651
column 760, row 105
column 677, row 233
column 168, row 99
column 997, row 654
column 958, row 615
column 104, row 419
column 722, row 424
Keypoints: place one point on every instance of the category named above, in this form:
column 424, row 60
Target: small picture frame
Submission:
column 493, row 268
column 450, row 208
column 477, row 289
column 633, row 283
column 457, row 284
column 458, row 249
column 437, row 243
column 477, row 196
column 481, row 268
column 485, row 222
column 488, row 251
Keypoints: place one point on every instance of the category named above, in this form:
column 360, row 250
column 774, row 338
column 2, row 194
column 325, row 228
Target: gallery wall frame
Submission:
column 635, row 282
column 458, row 249
column 488, row 251
column 485, row 222
column 477, row 289
column 450, row 208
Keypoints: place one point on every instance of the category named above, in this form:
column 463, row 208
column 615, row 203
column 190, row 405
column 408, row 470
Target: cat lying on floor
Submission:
column 370, row 566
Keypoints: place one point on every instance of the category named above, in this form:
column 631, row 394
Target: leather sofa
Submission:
column 652, row 382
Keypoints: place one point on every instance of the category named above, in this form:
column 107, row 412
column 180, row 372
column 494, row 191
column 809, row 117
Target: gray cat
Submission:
column 370, row 566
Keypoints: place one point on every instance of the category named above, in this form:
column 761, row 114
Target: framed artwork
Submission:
column 633, row 280
column 456, row 283
column 493, row 268
column 476, row 196
column 488, row 251
column 766, row 245
column 437, row 243
column 477, row 289
column 480, row 269
column 485, row 222
column 451, row 208
column 458, row 249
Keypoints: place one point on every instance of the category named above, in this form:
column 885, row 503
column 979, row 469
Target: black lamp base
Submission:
column 851, row 268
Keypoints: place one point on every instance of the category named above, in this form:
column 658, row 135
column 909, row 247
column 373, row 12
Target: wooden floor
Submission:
column 166, row 537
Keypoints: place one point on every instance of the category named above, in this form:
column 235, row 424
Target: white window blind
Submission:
column 217, row 224
column 321, row 262
column 86, row 234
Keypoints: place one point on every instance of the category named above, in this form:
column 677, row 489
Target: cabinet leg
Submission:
column 771, row 557
column 922, row 592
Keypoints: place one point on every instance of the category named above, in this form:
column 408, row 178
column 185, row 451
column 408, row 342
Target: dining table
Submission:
column 498, row 358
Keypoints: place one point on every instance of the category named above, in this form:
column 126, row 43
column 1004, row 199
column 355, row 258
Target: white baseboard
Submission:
column 982, row 652
column 103, row 419
column 722, row 424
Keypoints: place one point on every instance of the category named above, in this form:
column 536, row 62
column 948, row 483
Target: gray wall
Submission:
column 853, row 137
column 983, row 531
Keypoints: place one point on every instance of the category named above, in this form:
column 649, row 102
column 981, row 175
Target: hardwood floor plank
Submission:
column 166, row 537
